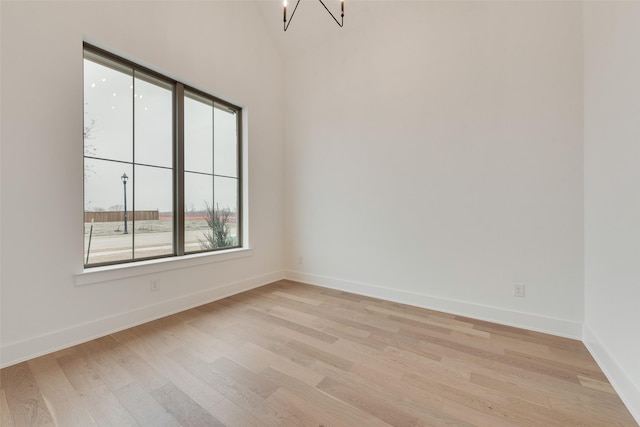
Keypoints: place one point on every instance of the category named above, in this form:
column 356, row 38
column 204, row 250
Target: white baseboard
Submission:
column 29, row 348
column 534, row 322
column 624, row 385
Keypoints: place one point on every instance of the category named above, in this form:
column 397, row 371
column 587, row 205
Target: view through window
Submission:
column 161, row 165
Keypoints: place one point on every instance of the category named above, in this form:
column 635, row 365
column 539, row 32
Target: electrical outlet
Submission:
column 153, row 285
column 518, row 291
column 300, row 260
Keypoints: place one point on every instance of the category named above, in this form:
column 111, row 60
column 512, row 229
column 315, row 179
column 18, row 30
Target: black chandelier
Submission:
column 340, row 23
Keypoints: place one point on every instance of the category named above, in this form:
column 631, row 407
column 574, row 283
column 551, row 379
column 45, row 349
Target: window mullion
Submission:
column 178, row 156
column 240, row 207
column 133, row 165
column 213, row 164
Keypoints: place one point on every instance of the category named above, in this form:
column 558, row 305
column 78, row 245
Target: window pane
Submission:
column 226, row 142
column 108, row 111
column 198, row 134
column 104, row 200
column 153, row 101
column 226, row 210
column 153, row 212
column 198, row 199
column 130, row 128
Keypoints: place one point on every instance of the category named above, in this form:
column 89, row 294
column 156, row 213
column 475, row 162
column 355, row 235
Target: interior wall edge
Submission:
column 32, row 347
column 534, row 322
column 622, row 382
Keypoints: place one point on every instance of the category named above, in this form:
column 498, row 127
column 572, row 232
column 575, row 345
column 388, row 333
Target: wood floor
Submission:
column 289, row 354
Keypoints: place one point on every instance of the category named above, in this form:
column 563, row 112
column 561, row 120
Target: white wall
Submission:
column 215, row 46
column 612, row 192
column 434, row 156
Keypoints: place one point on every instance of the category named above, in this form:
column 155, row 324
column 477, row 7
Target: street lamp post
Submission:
column 125, row 178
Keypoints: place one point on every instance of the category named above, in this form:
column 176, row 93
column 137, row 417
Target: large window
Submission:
column 162, row 163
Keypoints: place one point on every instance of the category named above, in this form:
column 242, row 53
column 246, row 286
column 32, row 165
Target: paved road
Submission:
column 118, row 246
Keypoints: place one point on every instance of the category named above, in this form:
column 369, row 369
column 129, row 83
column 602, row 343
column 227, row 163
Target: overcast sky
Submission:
column 110, row 98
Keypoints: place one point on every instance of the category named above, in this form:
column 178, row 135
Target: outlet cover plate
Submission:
column 518, row 291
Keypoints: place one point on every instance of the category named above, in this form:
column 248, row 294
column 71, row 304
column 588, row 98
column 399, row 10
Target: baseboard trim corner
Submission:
column 628, row 391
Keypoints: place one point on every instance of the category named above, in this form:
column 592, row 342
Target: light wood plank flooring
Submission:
column 289, row 354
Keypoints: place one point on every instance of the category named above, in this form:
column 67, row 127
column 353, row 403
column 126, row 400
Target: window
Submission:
column 162, row 172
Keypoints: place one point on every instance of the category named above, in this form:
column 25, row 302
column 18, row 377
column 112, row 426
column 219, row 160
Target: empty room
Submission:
column 319, row 213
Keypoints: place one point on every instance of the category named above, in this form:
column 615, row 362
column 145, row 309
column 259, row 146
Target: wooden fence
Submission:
column 115, row 216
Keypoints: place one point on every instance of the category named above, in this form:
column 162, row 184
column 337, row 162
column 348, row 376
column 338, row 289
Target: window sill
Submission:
column 123, row 271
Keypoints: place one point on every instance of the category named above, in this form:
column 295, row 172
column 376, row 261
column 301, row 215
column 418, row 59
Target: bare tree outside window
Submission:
column 220, row 234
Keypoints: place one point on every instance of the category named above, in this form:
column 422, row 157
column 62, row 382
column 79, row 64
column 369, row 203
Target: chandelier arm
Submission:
column 286, row 24
column 334, row 18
